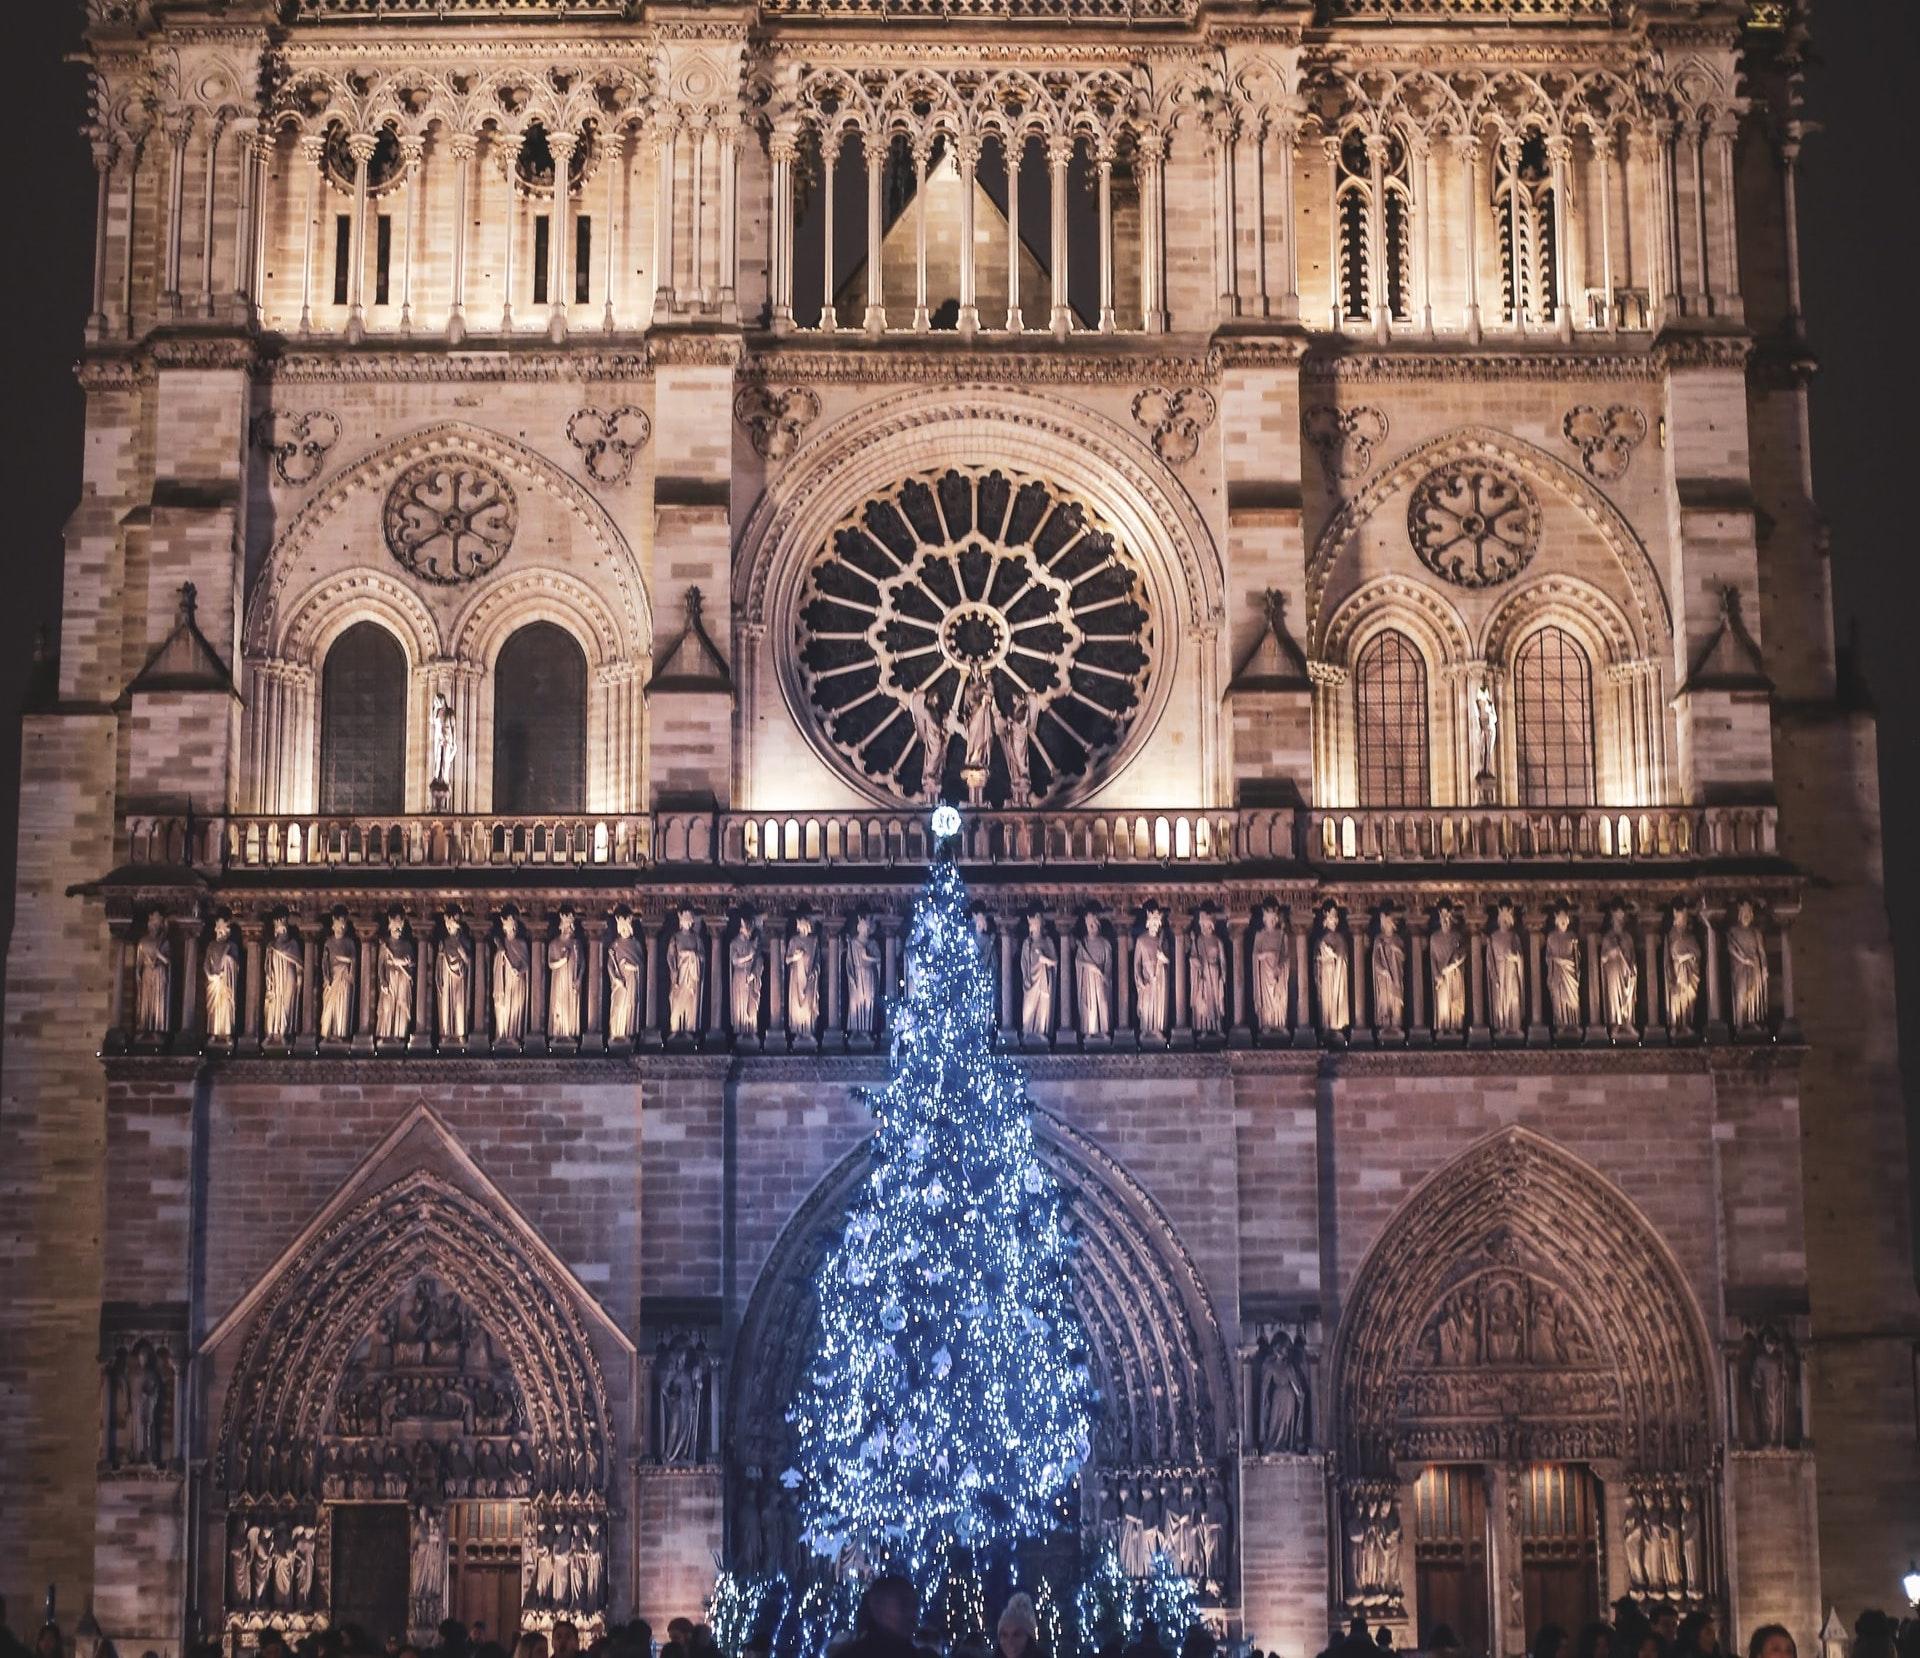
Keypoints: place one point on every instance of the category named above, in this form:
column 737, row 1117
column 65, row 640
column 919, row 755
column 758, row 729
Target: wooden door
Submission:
column 1450, row 1554
column 1560, row 1546
column 483, row 1566
column 370, row 1568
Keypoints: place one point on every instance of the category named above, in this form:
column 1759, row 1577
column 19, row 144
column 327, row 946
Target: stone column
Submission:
column 1470, row 227
column 104, row 154
column 1151, row 159
column 1559, row 150
column 465, row 146
column 1225, row 133
column 251, row 1023
column 1182, row 1033
column 560, row 240
column 615, row 161
column 647, row 1035
column 1654, row 1023
column 313, row 151
column 1419, row 1035
column 726, row 140
column 717, row 979
column 1103, row 163
column 1240, row 1034
column 1015, row 151
column 1360, row 990
column 1064, row 1025
column 480, row 1017
column 1539, row 1031
column 1597, row 1030
column 834, row 1038
column 874, row 147
column 413, row 162
column 314, row 929
column 178, row 124
column 369, row 955
column 425, row 1002
column 1304, row 1034
column 593, row 994
column 1504, row 1571
column 773, row 936
column 782, row 146
column 1059, row 156
column 1009, row 998
column 1479, row 1031
column 920, row 318
column 665, row 147
column 1124, row 1034
column 361, row 146
column 966, row 149
column 535, row 1041
column 510, row 162
column 1789, row 1030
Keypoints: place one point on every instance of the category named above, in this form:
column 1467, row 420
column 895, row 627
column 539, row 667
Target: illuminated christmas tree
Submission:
column 947, row 1400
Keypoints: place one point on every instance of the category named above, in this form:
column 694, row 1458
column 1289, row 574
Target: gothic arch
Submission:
column 285, row 1392
column 1158, row 1354
column 1655, row 618
column 1619, row 1375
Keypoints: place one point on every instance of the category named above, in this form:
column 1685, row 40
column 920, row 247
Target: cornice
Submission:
column 828, row 364
column 1390, row 365
column 439, row 365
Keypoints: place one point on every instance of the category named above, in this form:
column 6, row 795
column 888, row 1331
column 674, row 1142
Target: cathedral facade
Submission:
column 1321, row 485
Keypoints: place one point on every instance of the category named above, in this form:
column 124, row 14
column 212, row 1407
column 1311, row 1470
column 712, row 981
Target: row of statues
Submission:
column 270, row 1566
column 1088, row 956
column 564, row 1570
column 1183, row 1515
column 1663, row 1532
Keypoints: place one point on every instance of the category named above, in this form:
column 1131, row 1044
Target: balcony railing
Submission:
column 886, row 839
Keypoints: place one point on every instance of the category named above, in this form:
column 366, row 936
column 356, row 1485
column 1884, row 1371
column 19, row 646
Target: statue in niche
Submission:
column 1673, row 1577
column 1331, row 966
column 566, row 977
column 1150, row 976
column 1683, row 969
column 1133, row 1535
column 746, row 966
column 1634, row 1538
column 1447, row 952
column 443, row 749
column 978, row 718
column 1153, row 1520
column 1563, row 971
column 686, row 974
column 1504, row 1324
column 140, row 1403
column 1093, row 977
column 339, row 957
column 1216, row 1516
column 285, row 968
column 931, row 729
column 1619, row 974
column 427, row 1569
column 1506, row 973
column 803, row 977
column 395, row 963
column 1018, row 731
column 304, row 1548
column 1389, row 974
column 453, row 977
column 983, row 943
column 512, row 968
column 1272, row 971
column 153, row 979
column 1207, row 975
column 1692, row 1550
column 1770, row 1387
column 1281, row 1398
column 681, row 1373
column 1747, row 955
column 222, row 972
column 626, row 978
column 1039, row 968
column 863, row 980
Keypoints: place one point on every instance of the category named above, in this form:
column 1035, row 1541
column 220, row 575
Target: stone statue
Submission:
column 1506, row 973
column 1331, row 966
column 1215, row 1517
column 1683, row 969
column 1389, row 975
column 626, row 978
column 686, row 973
column 1672, row 1573
column 1486, row 733
column 512, row 969
column 1747, row 954
column 863, row 980
column 566, row 978
column 1093, row 977
column 680, row 1369
column 427, row 1569
column 1447, row 951
column 1150, row 976
column 1770, row 1388
column 803, row 977
column 453, row 977
column 931, row 730
column 222, row 972
column 153, row 979
column 1692, row 1563
column 1018, row 730
column 978, row 717
column 444, row 748
column 1207, row 975
column 1619, row 974
column 1039, row 967
column 1272, row 971
column 339, row 957
column 394, row 975
column 1280, row 1421
column 285, row 968
column 1634, row 1539
column 1133, row 1535
column 303, row 1567
column 144, row 1397
column 746, row 966
column 1563, row 971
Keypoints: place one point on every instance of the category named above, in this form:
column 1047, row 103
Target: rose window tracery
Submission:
column 450, row 519
column 974, row 633
column 1474, row 524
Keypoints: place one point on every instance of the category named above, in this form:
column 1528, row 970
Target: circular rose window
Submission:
column 974, row 634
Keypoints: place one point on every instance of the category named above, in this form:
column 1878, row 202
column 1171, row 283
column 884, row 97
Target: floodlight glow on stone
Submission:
column 946, row 821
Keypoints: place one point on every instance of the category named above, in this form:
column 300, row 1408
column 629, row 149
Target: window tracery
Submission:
column 1525, row 204
column 1553, row 719
column 1375, row 198
column 1390, row 722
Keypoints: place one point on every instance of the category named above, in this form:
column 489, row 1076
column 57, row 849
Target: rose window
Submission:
column 974, row 634
column 450, row 520
column 1474, row 524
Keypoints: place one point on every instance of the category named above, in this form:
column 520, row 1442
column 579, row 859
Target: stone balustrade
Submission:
column 1463, row 834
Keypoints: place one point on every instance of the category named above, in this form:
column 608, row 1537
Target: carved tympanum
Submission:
column 450, row 519
column 978, row 625
column 1474, row 523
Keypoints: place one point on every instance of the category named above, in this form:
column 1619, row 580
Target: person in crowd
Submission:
column 566, row 1639
column 1147, row 1644
column 1549, row 1642
column 1199, row 1643
column 532, row 1644
column 1699, row 1637
column 1665, row 1619
column 1018, row 1633
column 1596, row 1641
column 48, row 1644
column 476, row 1633
column 407, row 1650
column 1772, row 1640
column 1441, row 1638
column 888, row 1612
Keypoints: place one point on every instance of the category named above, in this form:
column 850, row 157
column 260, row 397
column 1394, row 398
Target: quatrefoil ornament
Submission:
column 609, row 441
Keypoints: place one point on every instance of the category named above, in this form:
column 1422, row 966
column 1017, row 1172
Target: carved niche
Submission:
column 1346, row 438
column 682, row 1400
column 140, row 1372
column 1768, row 1394
column 1474, row 523
column 1371, row 1540
column 450, row 519
column 297, row 442
column 1175, row 419
column 975, row 623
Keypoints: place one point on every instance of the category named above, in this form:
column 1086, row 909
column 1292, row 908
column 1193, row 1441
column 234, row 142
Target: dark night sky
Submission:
column 1859, row 246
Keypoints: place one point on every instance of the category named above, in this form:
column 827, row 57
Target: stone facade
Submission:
column 1378, row 536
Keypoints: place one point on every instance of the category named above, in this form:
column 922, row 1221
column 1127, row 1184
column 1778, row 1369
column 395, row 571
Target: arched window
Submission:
column 1375, row 212
column 363, row 723
column 1524, row 206
column 540, row 722
column 1390, row 705
column 1553, row 720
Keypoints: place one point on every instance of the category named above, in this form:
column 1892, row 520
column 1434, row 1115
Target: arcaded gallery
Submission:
column 1042, row 793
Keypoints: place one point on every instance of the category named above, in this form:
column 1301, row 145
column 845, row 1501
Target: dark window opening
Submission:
column 542, row 252
column 342, row 256
column 363, row 742
column 1553, row 720
column 540, row 722
column 383, row 259
column 582, row 260
column 1390, row 704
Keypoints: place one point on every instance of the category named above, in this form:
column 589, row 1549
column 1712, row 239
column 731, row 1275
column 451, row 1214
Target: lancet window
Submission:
column 1553, row 720
column 1374, row 212
column 1526, row 204
column 1390, row 716
column 540, row 722
column 362, row 744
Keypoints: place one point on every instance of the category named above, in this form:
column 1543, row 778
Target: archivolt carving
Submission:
column 1567, row 598
column 1397, row 601
column 1518, row 1307
column 330, row 606
column 536, row 595
column 1157, row 1352
column 1483, row 443
column 296, row 1380
column 377, row 470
